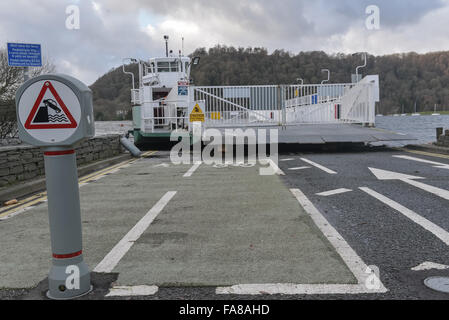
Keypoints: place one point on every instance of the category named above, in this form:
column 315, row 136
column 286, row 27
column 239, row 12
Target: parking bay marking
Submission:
column 349, row 256
column 439, row 232
column 316, row 165
column 122, row 247
column 390, row 175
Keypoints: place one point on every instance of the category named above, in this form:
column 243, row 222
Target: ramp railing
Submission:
column 240, row 105
column 287, row 104
column 330, row 103
column 314, row 103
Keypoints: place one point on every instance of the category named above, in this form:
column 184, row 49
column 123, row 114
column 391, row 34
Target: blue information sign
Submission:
column 183, row 90
column 24, row 55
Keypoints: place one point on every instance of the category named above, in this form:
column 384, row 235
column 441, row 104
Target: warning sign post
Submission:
column 55, row 112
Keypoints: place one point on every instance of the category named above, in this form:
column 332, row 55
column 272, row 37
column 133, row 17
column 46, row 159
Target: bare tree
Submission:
column 10, row 80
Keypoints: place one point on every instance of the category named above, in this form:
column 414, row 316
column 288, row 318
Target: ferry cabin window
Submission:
column 163, row 67
column 167, row 67
column 174, row 66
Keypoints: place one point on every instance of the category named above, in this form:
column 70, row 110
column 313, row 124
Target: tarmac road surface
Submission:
column 318, row 229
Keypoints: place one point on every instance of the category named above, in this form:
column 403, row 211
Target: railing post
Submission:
column 372, row 106
column 284, row 98
column 278, row 101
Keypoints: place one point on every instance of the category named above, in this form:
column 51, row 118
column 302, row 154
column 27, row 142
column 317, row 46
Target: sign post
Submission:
column 55, row 112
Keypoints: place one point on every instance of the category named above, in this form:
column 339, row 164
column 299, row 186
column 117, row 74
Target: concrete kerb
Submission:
column 429, row 148
column 29, row 187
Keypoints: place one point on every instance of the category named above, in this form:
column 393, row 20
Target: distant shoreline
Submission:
column 425, row 113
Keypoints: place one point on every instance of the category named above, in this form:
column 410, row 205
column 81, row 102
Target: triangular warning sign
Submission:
column 197, row 114
column 197, row 109
column 50, row 113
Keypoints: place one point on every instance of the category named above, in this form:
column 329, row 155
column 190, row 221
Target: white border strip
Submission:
column 349, row 256
column 440, row 233
column 319, row 166
column 296, row 289
column 130, row 291
column 116, row 254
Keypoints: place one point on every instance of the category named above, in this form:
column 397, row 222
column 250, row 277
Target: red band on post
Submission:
column 59, row 153
column 67, row 256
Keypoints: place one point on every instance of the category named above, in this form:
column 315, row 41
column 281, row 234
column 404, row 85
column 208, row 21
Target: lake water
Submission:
column 420, row 127
column 112, row 127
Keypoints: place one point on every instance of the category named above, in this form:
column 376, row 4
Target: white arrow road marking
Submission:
column 118, row 252
column 429, row 266
column 299, row 168
column 434, row 163
column 319, row 166
column 192, row 170
column 389, row 175
column 440, row 233
column 333, row 192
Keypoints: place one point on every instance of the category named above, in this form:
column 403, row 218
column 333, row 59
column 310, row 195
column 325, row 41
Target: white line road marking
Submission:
column 349, row 256
column 333, row 192
column 318, row 166
column 299, row 168
column 113, row 258
column 390, row 175
column 296, row 289
column 192, row 170
column 129, row 291
column 273, row 165
column 430, row 266
column 440, row 233
column 163, row 165
column 289, row 159
column 434, row 163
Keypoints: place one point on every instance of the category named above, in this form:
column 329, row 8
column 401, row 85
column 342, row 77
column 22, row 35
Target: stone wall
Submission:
column 443, row 140
column 24, row 162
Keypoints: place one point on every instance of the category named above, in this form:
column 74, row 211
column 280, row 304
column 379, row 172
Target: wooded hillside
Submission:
column 404, row 78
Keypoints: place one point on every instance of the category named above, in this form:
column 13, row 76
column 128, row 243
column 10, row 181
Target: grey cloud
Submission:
column 104, row 40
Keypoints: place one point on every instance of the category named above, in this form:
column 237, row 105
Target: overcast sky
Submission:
column 113, row 29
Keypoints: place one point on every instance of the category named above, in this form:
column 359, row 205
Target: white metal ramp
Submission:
column 289, row 104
